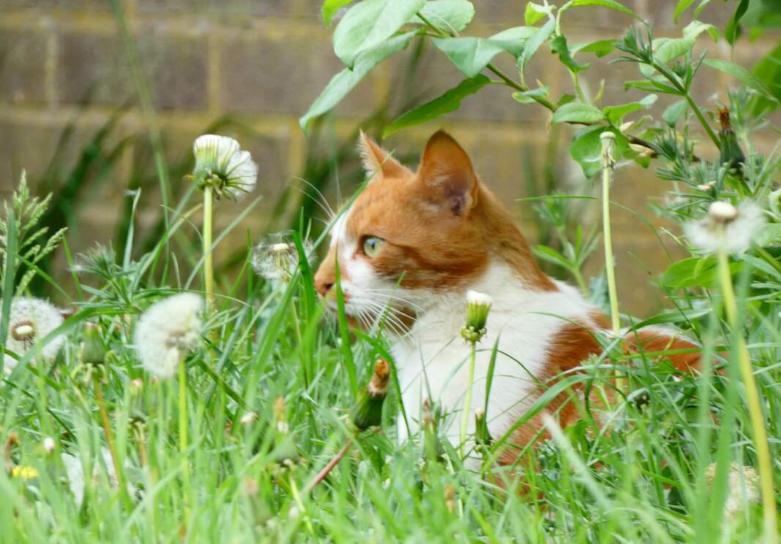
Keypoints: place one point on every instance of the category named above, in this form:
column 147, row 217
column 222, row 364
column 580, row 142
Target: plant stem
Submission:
column 610, row 272
column 468, row 400
column 183, row 438
column 329, row 467
column 110, row 440
column 753, row 400
column 207, row 245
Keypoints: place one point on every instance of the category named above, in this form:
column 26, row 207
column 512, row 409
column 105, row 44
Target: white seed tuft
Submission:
column 32, row 319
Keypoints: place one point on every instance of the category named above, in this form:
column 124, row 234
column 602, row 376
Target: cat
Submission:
column 410, row 246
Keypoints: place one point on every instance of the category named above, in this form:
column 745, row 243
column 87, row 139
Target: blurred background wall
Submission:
column 70, row 114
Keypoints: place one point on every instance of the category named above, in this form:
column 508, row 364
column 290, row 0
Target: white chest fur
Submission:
column 433, row 359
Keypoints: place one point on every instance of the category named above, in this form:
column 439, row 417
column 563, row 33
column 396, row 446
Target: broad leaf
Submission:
column 535, row 12
column 343, row 82
column 612, row 4
column 741, row 74
column 586, row 148
column 471, row 55
column 695, row 272
column 577, row 112
column 768, row 70
column 446, row 103
column 733, row 28
column 674, row 112
column 600, row 48
column 527, row 97
column 559, row 46
column 448, row 15
column 330, row 7
column 615, row 114
column 534, row 43
column 769, row 235
column 682, row 6
column 369, row 23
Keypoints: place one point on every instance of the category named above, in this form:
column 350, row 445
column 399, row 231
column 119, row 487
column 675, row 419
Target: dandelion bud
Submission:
column 49, row 444
column 482, row 436
column 722, row 213
column 450, row 497
column 368, row 412
column 249, row 418
column 608, row 140
column 706, row 187
column 730, row 153
column 92, row 350
column 432, row 447
column 136, row 386
column 478, row 306
column 222, row 165
column 285, row 452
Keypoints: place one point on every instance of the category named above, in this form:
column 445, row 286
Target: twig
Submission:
column 329, row 467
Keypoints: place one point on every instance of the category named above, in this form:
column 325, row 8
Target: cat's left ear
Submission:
column 447, row 172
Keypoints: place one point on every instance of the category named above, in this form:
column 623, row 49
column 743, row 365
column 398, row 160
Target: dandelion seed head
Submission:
column 742, row 486
column 276, row 258
column 167, row 332
column 49, row 444
column 30, row 320
column 726, row 227
column 225, row 166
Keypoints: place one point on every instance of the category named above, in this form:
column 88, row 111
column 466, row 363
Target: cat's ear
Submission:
column 447, row 172
column 378, row 161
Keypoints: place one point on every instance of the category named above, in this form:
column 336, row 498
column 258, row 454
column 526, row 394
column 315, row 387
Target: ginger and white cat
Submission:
column 412, row 243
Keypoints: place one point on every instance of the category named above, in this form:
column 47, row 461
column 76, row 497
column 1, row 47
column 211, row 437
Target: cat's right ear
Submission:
column 447, row 173
column 377, row 161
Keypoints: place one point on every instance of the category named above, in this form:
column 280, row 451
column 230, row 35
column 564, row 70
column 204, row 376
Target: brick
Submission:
column 221, row 8
column 22, row 66
column 80, row 5
column 93, row 68
column 283, row 76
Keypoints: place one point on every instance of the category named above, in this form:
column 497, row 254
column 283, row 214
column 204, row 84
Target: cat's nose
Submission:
column 323, row 285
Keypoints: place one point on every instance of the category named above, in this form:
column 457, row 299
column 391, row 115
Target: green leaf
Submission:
column 615, row 114
column 674, row 112
column 448, row 15
column 534, row 43
column 527, row 97
column 535, row 12
column 682, row 6
column 330, row 7
column 446, row 103
column 343, row 82
column 732, row 30
column 471, row 55
column 558, row 45
column 369, row 23
column 577, row 112
column 695, row 272
column 741, row 74
column 695, row 28
column 612, row 4
column 770, row 234
column 586, row 148
column 600, row 48
column 769, row 70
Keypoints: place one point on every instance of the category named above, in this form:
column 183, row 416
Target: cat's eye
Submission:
column 372, row 245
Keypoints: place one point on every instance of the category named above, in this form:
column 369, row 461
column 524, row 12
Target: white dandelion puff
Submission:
column 276, row 258
column 742, row 487
column 222, row 164
column 726, row 227
column 30, row 320
column 167, row 332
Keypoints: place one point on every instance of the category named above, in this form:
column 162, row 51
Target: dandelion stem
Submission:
column 207, row 245
column 329, row 467
column 110, row 440
column 183, row 435
column 754, row 402
column 468, row 399
column 300, row 504
column 610, row 272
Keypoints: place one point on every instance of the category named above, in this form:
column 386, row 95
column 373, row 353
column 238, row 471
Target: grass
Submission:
column 204, row 475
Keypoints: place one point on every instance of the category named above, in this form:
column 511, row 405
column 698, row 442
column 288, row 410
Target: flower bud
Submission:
column 92, row 351
column 482, row 435
column 478, row 306
column 285, row 452
column 368, row 412
column 730, row 153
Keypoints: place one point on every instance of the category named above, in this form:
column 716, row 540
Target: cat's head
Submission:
column 410, row 237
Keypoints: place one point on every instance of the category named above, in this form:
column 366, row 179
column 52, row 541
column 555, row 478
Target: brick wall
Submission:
column 64, row 69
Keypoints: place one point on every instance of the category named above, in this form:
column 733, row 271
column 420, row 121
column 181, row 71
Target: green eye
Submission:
column 372, row 245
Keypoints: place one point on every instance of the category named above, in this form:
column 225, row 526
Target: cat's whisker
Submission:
column 323, row 201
